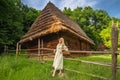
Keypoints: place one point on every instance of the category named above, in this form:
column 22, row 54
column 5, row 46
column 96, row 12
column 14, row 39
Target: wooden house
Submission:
column 50, row 26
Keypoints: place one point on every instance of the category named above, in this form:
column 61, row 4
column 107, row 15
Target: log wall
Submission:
column 51, row 41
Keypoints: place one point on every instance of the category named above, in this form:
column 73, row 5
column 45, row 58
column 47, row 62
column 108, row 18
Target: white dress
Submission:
column 58, row 59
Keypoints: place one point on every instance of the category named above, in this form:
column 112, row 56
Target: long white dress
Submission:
column 58, row 59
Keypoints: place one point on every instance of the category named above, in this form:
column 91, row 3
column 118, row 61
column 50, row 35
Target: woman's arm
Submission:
column 54, row 51
column 65, row 48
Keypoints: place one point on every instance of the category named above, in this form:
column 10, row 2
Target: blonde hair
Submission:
column 63, row 42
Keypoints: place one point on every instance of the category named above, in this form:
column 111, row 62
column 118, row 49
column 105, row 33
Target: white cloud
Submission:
column 74, row 3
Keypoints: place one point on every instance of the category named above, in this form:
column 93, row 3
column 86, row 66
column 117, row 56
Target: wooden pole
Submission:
column 114, row 49
column 17, row 49
column 92, row 75
column 39, row 49
column 5, row 49
column 42, row 48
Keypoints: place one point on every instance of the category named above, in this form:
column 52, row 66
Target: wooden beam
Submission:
column 17, row 49
column 118, row 52
column 114, row 42
column 42, row 47
column 77, row 51
column 5, row 49
column 92, row 75
column 35, row 54
column 73, row 51
column 39, row 48
column 91, row 62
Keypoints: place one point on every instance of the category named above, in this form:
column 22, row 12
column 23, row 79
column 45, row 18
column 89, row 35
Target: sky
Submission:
column 111, row 6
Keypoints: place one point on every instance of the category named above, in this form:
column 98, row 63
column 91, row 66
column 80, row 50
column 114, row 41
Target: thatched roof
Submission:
column 52, row 20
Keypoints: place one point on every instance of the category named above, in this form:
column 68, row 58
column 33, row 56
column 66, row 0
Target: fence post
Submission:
column 42, row 50
column 17, row 46
column 114, row 41
column 39, row 49
column 5, row 49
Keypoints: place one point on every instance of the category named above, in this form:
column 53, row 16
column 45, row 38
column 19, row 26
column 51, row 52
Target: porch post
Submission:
column 19, row 49
column 17, row 45
column 42, row 48
column 39, row 49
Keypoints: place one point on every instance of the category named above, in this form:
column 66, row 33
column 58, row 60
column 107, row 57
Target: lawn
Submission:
column 21, row 68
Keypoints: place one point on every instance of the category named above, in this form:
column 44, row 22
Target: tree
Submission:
column 29, row 15
column 67, row 11
column 100, row 19
column 15, row 19
column 10, row 22
column 106, row 34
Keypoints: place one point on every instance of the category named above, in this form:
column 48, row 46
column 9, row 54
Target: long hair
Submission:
column 63, row 42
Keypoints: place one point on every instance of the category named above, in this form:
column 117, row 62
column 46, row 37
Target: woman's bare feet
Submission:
column 60, row 74
column 53, row 73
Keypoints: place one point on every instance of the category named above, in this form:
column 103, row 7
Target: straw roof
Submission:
column 52, row 20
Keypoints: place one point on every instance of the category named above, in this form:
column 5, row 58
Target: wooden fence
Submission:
column 113, row 65
column 114, row 52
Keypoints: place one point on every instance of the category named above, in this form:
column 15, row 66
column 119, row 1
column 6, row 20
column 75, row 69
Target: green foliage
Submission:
column 15, row 20
column 10, row 22
column 67, row 11
column 106, row 35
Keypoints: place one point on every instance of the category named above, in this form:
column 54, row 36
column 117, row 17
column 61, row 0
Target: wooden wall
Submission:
column 51, row 41
column 32, row 45
column 75, row 43
column 71, row 42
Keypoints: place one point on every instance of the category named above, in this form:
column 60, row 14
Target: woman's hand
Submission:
column 54, row 51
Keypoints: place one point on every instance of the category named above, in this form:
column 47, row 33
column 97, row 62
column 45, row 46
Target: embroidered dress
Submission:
column 58, row 59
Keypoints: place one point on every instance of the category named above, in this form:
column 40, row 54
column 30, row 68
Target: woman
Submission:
column 58, row 59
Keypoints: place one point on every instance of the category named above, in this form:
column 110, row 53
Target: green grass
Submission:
column 95, row 69
column 21, row 68
column 100, row 58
